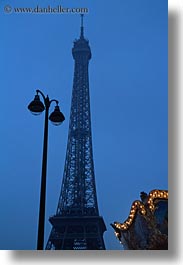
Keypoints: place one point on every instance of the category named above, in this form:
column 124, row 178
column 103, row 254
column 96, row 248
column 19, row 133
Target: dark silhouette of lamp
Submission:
column 36, row 106
column 56, row 117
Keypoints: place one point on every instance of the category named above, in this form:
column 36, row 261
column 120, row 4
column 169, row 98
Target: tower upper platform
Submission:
column 81, row 45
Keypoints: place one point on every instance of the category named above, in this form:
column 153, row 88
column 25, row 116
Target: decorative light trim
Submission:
column 156, row 194
column 136, row 206
column 140, row 207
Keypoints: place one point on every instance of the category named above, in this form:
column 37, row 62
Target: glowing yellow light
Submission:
column 140, row 207
column 131, row 215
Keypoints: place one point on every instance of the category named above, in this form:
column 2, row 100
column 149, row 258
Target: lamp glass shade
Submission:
column 56, row 117
column 36, row 106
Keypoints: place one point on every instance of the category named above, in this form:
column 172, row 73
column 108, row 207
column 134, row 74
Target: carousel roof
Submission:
column 147, row 223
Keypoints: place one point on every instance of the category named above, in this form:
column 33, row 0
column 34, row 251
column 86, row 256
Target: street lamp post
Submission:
column 57, row 117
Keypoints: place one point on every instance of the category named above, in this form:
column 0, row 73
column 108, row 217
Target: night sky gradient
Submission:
column 129, row 107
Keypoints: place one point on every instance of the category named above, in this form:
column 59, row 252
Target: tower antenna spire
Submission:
column 82, row 28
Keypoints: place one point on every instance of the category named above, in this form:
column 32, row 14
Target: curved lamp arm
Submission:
column 39, row 91
column 54, row 100
column 47, row 101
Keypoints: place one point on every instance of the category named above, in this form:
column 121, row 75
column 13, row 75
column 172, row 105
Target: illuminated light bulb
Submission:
column 131, row 215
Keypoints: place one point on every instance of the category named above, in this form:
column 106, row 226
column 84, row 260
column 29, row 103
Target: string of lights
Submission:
column 138, row 206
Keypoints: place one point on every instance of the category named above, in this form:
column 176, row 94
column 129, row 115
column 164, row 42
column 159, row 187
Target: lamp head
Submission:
column 36, row 106
column 56, row 117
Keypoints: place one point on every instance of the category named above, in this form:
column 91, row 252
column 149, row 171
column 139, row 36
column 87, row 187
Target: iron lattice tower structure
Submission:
column 77, row 224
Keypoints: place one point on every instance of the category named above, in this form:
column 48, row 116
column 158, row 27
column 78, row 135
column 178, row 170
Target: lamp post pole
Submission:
column 40, row 240
column 36, row 106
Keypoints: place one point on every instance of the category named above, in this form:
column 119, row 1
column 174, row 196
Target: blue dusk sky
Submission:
column 128, row 76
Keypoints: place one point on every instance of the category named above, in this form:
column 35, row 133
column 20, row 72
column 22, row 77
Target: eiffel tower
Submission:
column 77, row 224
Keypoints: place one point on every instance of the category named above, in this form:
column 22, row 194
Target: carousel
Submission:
column 146, row 227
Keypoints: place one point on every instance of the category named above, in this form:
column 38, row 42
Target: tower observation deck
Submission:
column 77, row 224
